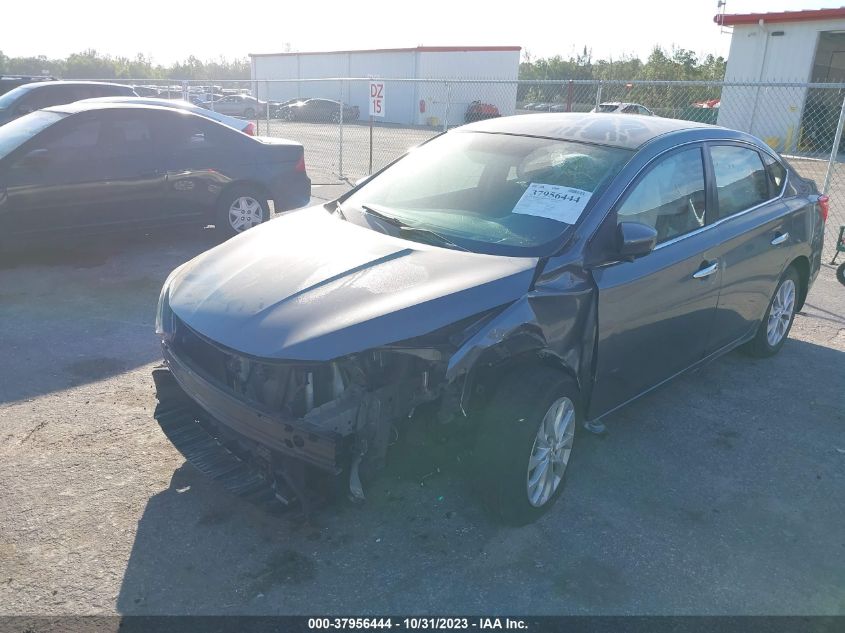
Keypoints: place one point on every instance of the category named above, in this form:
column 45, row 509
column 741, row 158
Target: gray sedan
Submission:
column 518, row 278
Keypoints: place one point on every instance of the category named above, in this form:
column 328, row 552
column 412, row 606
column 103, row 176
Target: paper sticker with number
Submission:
column 563, row 204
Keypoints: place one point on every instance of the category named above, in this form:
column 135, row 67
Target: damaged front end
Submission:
column 307, row 429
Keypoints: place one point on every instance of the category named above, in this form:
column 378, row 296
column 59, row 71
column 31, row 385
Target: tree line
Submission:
column 90, row 64
column 677, row 64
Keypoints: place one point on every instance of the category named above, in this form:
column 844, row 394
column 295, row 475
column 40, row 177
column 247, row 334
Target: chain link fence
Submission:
column 802, row 121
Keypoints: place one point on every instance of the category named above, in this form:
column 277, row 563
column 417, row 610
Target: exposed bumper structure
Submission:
column 294, row 438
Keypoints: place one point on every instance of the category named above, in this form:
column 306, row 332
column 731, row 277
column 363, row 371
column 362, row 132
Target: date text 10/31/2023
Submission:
column 417, row 623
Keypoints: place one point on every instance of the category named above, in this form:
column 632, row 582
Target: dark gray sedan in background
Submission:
column 519, row 276
column 90, row 167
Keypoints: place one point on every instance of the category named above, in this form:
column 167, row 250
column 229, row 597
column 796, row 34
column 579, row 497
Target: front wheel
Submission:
column 240, row 209
column 525, row 442
column 777, row 322
column 840, row 273
column 249, row 113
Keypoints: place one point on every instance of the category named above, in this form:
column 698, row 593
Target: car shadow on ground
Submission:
column 719, row 473
column 80, row 312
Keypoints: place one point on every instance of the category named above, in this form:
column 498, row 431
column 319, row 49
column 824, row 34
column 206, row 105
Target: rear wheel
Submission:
column 777, row 322
column 840, row 273
column 240, row 209
column 525, row 443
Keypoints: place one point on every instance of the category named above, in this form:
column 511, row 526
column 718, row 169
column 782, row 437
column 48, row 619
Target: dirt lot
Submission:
column 722, row 494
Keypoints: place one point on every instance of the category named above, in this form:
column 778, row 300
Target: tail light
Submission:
column 249, row 130
column 824, row 207
column 300, row 165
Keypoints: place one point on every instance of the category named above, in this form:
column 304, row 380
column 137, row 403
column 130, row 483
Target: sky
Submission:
column 170, row 30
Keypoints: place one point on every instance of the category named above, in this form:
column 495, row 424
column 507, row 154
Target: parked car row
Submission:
column 316, row 110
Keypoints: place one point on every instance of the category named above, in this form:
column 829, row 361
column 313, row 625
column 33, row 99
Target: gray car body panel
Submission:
column 295, row 289
column 313, row 287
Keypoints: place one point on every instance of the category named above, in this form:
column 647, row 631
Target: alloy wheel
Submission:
column 780, row 314
column 550, row 452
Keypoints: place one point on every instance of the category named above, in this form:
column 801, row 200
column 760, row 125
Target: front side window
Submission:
column 17, row 132
column 670, row 197
column 491, row 193
column 741, row 179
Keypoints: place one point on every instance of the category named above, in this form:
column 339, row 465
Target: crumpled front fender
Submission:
column 556, row 319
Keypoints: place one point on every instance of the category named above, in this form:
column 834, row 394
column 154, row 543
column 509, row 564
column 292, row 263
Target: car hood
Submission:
column 311, row 286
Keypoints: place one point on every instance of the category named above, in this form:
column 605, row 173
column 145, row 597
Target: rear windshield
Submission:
column 17, row 132
column 491, row 193
column 607, row 107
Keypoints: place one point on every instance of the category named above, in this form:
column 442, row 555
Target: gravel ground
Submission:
column 721, row 494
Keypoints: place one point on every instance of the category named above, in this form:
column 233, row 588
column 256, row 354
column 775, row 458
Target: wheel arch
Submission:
column 802, row 266
column 488, row 374
column 246, row 184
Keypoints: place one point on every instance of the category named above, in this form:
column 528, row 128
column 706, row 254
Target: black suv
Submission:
column 36, row 96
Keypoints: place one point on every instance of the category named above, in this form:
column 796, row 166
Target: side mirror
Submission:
column 634, row 240
column 35, row 158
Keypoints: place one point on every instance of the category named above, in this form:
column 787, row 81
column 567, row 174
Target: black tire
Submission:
column 506, row 440
column 222, row 221
column 840, row 273
column 249, row 113
column 759, row 346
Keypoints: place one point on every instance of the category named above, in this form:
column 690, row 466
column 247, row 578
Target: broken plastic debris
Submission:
column 181, row 490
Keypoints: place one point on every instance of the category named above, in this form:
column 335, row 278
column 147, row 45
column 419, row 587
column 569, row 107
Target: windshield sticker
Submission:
column 563, row 204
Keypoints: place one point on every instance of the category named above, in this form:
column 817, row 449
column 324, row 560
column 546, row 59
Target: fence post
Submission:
column 448, row 103
column 834, row 151
column 267, row 100
column 340, row 135
column 598, row 95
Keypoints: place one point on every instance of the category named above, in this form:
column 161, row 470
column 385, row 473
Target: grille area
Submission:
column 281, row 387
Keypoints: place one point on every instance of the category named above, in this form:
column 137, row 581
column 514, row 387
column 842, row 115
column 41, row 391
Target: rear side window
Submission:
column 776, row 172
column 670, row 197
column 741, row 179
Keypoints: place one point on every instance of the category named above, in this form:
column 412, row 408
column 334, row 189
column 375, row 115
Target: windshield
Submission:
column 489, row 193
column 17, row 132
column 12, row 96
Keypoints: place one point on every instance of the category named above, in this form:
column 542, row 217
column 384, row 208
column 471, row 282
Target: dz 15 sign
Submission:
column 377, row 98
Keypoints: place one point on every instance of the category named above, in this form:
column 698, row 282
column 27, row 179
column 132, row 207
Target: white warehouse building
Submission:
column 406, row 102
column 784, row 47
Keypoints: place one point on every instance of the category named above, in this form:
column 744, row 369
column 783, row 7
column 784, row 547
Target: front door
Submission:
column 655, row 313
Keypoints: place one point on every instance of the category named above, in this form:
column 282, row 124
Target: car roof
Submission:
column 629, row 131
column 44, row 84
column 87, row 105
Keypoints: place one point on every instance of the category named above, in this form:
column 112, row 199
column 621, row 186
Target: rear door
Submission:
column 755, row 235
column 655, row 313
column 198, row 155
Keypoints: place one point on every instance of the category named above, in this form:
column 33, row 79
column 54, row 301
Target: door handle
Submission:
column 705, row 272
column 780, row 239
